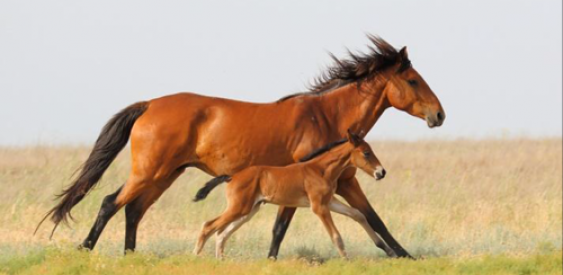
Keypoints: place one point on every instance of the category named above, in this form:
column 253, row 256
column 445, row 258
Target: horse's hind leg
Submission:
column 131, row 190
column 135, row 210
column 107, row 210
column 224, row 235
column 133, row 215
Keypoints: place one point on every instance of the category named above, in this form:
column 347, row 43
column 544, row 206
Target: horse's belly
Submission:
column 228, row 161
column 231, row 140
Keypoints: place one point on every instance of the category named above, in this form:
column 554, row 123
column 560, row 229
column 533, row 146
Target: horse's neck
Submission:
column 355, row 107
column 335, row 161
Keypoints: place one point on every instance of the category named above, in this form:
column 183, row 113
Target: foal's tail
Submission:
column 209, row 186
column 110, row 142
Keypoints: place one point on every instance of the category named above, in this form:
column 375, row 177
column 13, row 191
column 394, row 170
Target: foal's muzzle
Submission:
column 379, row 173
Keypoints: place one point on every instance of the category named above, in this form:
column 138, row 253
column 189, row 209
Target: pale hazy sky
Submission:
column 67, row 66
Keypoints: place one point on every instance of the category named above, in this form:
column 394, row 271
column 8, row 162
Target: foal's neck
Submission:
column 356, row 107
column 335, row 161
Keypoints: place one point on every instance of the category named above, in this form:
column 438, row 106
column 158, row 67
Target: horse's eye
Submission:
column 366, row 154
column 412, row 82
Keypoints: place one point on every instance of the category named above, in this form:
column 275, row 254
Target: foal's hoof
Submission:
column 272, row 258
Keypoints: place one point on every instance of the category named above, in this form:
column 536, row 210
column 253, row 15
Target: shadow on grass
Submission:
column 310, row 255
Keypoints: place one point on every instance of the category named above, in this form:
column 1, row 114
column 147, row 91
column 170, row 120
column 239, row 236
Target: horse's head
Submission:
column 406, row 90
column 363, row 157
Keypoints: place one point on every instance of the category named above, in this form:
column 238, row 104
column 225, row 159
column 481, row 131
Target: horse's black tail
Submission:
column 110, row 142
column 209, row 186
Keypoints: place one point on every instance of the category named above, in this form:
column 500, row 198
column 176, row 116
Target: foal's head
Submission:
column 363, row 157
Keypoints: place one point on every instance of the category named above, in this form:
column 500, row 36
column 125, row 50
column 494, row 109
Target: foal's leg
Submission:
column 220, row 223
column 336, row 206
column 223, row 236
column 323, row 212
column 351, row 191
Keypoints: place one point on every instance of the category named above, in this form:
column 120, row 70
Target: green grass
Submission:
column 70, row 261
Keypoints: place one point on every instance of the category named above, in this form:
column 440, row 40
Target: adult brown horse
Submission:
column 222, row 136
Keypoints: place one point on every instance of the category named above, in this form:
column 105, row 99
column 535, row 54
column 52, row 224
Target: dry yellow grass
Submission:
column 441, row 198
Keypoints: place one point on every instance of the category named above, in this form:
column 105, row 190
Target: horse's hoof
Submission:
column 81, row 247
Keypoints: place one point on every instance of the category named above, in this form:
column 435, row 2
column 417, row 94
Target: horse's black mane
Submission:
column 358, row 67
column 322, row 150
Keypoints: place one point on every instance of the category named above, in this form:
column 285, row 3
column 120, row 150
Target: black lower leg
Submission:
column 280, row 228
column 133, row 214
column 388, row 250
column 393, row 248
column 107, row 211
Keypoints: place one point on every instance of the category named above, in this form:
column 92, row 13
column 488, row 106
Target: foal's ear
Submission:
column 354, row 139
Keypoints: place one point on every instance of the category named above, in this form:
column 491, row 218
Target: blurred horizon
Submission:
column 66, row 67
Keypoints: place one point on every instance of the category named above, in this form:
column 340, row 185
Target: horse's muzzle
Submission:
column 436, row 119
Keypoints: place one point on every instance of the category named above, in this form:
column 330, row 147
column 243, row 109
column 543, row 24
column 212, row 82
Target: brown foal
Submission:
column 306, row 184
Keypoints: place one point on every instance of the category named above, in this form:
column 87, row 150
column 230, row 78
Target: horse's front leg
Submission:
column 350, row 190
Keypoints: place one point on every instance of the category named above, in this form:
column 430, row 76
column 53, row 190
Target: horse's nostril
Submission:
column 439, row 116
column 381, row 174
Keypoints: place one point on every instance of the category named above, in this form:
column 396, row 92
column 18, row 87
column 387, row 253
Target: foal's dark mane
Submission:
column 359, row 66
column 322, row 150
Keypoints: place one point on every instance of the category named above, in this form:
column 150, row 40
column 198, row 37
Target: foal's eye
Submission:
column 412, row 82
column 366, row 154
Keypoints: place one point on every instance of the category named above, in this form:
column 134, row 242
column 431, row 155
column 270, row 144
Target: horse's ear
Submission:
column 404, row 54
column 354, row 139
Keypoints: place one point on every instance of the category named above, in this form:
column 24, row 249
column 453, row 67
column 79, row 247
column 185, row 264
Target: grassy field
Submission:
column 467, row 207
